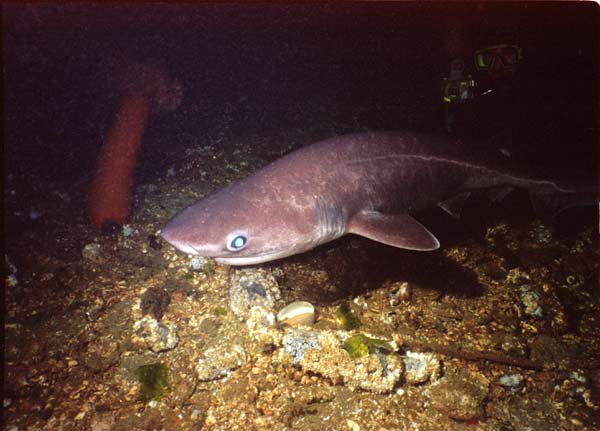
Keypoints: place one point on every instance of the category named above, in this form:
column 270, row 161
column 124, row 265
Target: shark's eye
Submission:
column 236, row 242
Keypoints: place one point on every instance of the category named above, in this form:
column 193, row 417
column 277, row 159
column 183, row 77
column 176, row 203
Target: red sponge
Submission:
column 110, row 196
column 144, row 89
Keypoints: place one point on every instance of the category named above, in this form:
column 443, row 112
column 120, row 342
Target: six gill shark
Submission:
column 366, row 184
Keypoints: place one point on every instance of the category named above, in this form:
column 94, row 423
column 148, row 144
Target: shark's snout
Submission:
column 170, row 235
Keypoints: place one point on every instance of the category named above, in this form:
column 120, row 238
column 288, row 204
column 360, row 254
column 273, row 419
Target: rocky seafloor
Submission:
column 498, row 331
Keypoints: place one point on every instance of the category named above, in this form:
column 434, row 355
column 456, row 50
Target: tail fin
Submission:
column 550, row 204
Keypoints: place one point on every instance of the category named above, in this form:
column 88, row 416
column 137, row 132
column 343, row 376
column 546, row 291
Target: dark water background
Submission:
column 281, row 66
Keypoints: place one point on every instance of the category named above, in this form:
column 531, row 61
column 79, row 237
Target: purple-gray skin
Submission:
column 366, row 184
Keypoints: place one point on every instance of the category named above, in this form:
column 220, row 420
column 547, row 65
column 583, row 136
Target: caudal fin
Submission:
column 550, row 204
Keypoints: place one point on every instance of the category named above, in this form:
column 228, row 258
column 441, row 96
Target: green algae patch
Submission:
column 359, row 345
column 220, row 312
column 346, row 318
column 153, row 381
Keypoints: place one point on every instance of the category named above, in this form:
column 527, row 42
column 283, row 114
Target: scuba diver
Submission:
column 491, row 73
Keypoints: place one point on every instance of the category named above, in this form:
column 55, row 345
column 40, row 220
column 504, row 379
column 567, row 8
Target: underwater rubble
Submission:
column 120, row 332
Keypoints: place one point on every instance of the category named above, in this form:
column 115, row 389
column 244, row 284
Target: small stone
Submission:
column 128, row 231
column 402, row 294
column 578, row 375
column 91, row 252
column 11, row 280
column 530, row 299
column 420, row 367
column 353, row 426
column 219, row 361
column 200, row 264
column 512, row 381
column 158, row 337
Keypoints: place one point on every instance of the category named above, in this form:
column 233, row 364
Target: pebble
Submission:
column 512, row 381
column 91, row 251
column 420, row 367
column 11, row 280
column 578, row 375
column 530, row 299
column 353, row 426
column 219, row 361
column 403, row 294
column 128, row 231
column 157, row 336
column 199, row 264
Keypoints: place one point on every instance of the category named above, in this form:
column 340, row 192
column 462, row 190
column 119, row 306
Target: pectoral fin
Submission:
column 398, row 230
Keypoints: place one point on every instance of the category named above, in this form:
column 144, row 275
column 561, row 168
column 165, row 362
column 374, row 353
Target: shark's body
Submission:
column 367, row 184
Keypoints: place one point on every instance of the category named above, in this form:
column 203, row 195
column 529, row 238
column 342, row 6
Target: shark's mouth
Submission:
column 267, row 255
column 260, row 258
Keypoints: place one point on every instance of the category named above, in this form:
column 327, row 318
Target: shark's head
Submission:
column 240, row 226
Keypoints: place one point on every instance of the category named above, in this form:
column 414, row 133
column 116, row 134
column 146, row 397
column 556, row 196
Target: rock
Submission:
column 403, row 293
column 129, row 231
column 219, row 361
column 459, row 394
column 420, row 367
column 252, row 288
column 91, row 252
column 376, row 372
column 512, row 381
column 154, row 335
column 201, row 264
column 531, row 301
column 296, row 342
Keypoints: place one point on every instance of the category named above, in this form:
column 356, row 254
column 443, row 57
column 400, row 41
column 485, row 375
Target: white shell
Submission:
column 297, row 313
